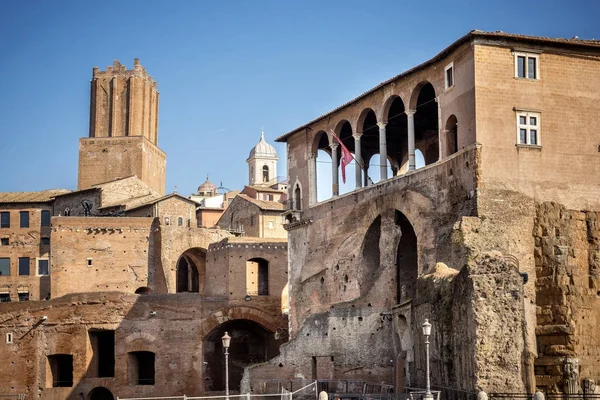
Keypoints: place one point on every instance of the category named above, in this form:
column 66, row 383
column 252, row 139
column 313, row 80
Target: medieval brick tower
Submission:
column 123, row 139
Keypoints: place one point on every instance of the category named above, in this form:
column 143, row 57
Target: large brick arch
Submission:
column 267, row 321
column 417, row 207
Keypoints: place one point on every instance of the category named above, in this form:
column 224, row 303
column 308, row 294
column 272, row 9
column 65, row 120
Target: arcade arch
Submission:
column 251, row 343
column 191, row 268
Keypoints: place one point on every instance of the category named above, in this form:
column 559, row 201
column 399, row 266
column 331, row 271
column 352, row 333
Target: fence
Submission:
column 308, row 392
column 20, row 396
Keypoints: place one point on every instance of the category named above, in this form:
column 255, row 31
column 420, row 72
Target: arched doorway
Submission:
column 100, row 393
column 190, row 271
column 251, row 343
column 322, row 167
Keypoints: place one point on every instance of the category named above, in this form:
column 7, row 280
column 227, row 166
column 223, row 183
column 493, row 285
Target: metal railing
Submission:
column 307, row 392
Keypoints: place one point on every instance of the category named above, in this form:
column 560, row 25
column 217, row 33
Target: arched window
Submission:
column 179, row 221
column 297, row 198
column 265, row 176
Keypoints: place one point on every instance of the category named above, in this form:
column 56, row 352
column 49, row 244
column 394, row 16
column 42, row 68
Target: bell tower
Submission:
column 262, row 163
column 123, row 138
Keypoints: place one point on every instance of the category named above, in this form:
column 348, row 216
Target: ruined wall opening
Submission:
column 102, row 364
column 451, row 132
column 426, row 124
column 100, row 393
column 141, row 367
column 406, row 260
column 60, row 367
column 257, row 277
column 191, row 268
column 143, row 290
column 250, row 344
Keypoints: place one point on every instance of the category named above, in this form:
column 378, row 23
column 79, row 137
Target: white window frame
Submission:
column 37, row 266
column 527, row 56
column 528, row 127
column 449, row 66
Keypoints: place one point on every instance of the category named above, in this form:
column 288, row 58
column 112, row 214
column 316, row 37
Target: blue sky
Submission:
column 224, row 70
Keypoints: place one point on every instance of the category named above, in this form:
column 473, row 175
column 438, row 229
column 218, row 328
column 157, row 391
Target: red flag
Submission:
column 346, row 157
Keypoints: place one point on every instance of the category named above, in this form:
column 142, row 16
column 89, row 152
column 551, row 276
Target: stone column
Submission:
column 382, row 152
column 358, row 159
column 312, row 179
column 335, row 184
column 410, row 116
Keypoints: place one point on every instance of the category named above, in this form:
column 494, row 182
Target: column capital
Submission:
column 357, row 135
column 381, row 125
column 334, row 145
column 410, row 113
column 312, row 156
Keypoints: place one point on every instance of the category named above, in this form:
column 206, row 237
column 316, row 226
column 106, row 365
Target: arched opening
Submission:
column 323, row 166
column 179, row 221
column 396, row 134
column 190, row 271
column 369, row 145
column 100, row 393
column 143, row 290
column 265, row 173
column 344, row 133
column 250, row 344
column 426, row 123
column 257, row 277
column 297, row 198
column 406, row 260
column 451, row 135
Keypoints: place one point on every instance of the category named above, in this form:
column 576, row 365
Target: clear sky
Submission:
column 224, row 69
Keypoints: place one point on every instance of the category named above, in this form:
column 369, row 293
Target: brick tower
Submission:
column 123, row 139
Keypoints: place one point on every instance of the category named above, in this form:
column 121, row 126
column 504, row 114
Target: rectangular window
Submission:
column 5, row 298
column 23, row 266
column 103, row 350
column 4, row 219
column 43, row 266
column 527, row 66
column 528, row 128
column 449, row 74
column 90, row 262
column 24, row 219
column 23, row 296
column 61, row 370
column 5, row 266
column 45, row 240
column 141, row 368
column 45, row 218
column 4, row 242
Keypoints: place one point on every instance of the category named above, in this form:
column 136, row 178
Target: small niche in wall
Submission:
column 89, row 262
column 9, row 338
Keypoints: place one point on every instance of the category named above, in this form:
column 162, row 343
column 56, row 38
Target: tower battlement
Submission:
column 118, row 69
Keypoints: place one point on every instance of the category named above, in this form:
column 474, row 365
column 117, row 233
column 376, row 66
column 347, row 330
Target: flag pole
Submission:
column 360, row 163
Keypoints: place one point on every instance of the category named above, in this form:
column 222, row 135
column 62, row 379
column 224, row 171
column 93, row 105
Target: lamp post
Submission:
column 226, row 340
column 426, row 332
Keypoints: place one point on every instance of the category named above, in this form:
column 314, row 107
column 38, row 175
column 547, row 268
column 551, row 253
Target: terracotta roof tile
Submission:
column 264, row 204
column 31, row 197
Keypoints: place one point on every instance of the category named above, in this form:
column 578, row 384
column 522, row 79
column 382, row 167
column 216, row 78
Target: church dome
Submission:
column 207, row 188
column 262, row 149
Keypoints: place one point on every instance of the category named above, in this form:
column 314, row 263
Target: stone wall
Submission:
column 567, row 244
column 175, row 332
column 95, row 254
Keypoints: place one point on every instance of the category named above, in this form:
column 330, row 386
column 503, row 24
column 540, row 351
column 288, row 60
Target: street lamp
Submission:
column 426, row 332
column 226, row 340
